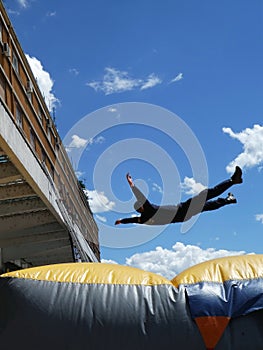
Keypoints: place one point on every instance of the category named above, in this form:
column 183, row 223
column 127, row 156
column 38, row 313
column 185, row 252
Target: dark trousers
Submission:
column 202, row 202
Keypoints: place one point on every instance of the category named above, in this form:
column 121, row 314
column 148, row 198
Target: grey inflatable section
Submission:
column 48, row 315
column 139, row 311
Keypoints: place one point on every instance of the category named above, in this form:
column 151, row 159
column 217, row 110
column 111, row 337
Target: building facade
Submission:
column 26, row 122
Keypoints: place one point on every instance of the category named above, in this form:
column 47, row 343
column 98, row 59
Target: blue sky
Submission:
column 170, row 91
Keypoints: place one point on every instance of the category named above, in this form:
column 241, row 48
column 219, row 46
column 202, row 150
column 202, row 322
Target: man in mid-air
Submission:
column 152, row 214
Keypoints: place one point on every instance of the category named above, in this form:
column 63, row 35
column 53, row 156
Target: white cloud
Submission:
column 98, row 140
column 177, row 78
column 151, row 82
column 78, row 142
column 252, row 141
column 23, row 3
column 74, row 71
column 101, row 218
column 44, row 81
column 13, row 12
column 99, row 202
column 116, row 81
column 259, row 217
column 157, row 188
column 51, row 14
column 112, row 109
column 104, row 261
column 79, row 174
column 190, row 186
column 169, row 263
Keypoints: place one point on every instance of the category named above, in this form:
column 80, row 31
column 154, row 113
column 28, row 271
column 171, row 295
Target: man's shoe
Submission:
column 230, row 198
column 237, row 176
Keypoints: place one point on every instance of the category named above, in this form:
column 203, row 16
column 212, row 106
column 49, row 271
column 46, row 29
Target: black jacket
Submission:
column 154, row 214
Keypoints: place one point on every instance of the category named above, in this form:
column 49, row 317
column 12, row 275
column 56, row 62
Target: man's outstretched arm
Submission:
column 134, row 220
column 138, row 194
column 129, row 179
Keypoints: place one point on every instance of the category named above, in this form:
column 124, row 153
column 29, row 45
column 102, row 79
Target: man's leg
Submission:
column 219, row 202
column 216, row 191
column 196, row 204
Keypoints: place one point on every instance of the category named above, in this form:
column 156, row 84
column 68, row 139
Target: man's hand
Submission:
column 117, row 222
column 129, row 179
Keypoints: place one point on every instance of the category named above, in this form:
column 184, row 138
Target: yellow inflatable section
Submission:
column 89, row 273
column 223, row 269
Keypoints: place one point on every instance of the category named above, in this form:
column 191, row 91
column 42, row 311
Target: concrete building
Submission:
column 44, row 214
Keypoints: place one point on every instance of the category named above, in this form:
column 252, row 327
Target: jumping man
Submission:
column 152, row 214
